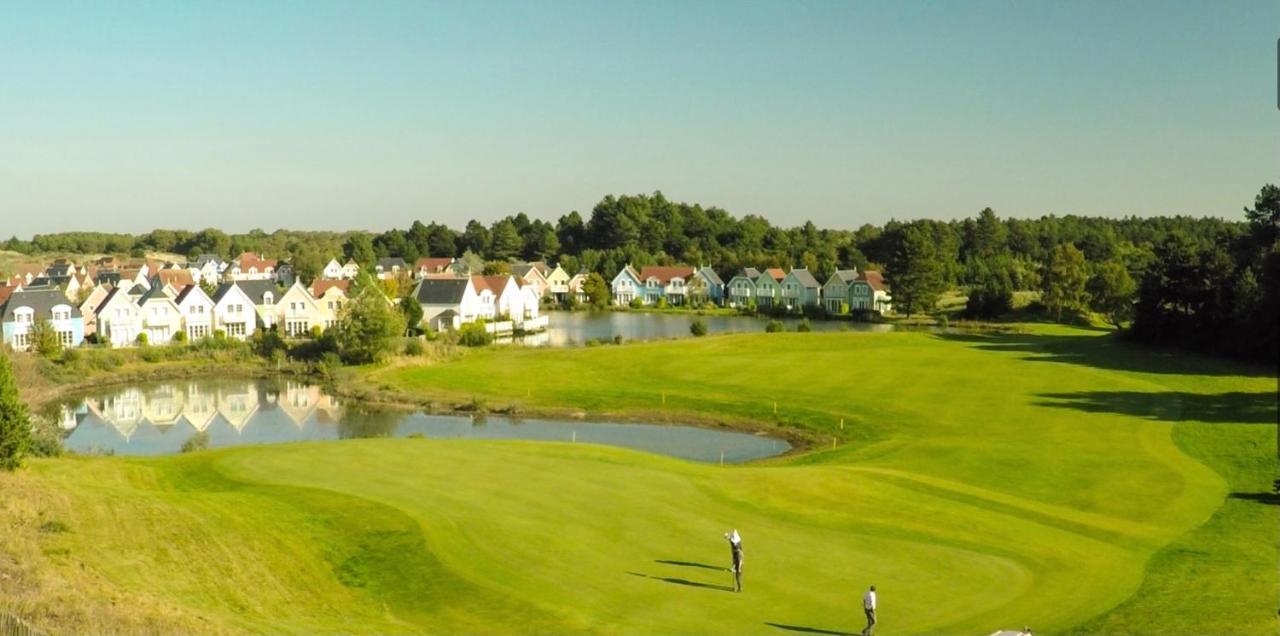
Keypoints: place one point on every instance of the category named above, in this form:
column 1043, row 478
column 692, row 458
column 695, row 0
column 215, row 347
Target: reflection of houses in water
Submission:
column 298, row 401
column 199, row 407
column 237, row 405
column 163, row 405
column 123, row 411
column 69, row 418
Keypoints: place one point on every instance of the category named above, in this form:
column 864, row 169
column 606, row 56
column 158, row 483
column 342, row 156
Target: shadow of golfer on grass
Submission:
column 810, row 630
column 691, row 564
column 676, row 581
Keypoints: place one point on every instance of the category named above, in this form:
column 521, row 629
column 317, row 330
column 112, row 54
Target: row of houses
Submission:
column 769, row 289
column 160, row 311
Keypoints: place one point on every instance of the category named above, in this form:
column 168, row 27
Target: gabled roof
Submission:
column 630, row 271
column 844, row 276
column 874, row 279
column 249, row 260
column 156, row 292
column 390, row 262
column 187, row 292
column 433, row 263
column 41, row 301
column 179, row 278
column 711, row 276
column 123, row 293
column 665, row 274
column 440, row 291
column 522, row 269
column 775, row 273
column 256, row 289
column 803, row 276
column 205, row 259
column 495, row 284
column 750, row 273
column 320, row 286
column 5, row 292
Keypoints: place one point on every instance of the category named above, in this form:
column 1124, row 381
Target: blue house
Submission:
column 626, row 286
column 26, row 307
column 710, row 281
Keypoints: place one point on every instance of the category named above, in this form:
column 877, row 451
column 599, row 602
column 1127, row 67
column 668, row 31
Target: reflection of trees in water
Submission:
column 361, row 422
column 479, row 419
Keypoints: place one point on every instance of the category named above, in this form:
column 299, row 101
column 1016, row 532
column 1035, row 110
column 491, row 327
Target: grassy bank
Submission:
column 1054, row 478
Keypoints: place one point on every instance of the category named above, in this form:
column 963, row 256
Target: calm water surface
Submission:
column 575, row 328
column 156, row 419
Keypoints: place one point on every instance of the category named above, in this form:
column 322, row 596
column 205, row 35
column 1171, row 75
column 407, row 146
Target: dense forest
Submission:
column 1201, row 282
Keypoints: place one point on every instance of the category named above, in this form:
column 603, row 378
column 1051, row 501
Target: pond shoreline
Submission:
column 355, row 389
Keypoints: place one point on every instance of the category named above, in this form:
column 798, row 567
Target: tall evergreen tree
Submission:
column 914, row 270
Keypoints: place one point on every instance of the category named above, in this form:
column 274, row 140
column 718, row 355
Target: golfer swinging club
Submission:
column 735, row 544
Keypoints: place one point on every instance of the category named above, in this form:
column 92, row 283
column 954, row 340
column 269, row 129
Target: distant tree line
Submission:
column 1196, row 281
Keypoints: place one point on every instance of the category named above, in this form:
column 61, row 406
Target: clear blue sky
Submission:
column 313, row 115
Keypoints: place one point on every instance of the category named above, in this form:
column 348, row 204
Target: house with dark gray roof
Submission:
column 835, row 292
column 390, row 267
column 446, row 302
column 741, row 290
column 800, row 289
column 26, row 307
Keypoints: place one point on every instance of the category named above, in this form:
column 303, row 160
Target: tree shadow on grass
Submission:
column 1172, row 406
column 686, row 582
column 691, row 564
column 1268, row 498
column 1107, row 352
column 810, row 630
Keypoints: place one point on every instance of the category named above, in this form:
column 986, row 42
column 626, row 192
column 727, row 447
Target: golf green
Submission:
column 1058, row 479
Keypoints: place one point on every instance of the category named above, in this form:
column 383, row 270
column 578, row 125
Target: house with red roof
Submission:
column 869, row 293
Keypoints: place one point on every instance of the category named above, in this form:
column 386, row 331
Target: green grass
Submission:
column 1056, row 479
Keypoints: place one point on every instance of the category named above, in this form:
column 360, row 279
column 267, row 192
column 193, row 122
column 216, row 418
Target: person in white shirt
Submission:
column 735, row 548
column 869, row 606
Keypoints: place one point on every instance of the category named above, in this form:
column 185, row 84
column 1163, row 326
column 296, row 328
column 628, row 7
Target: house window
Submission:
column 23, row 317
column 67, row 338
column 61, row 314
column 20, row 341
column 235, row 329
column 268, row 299
column 196, row 332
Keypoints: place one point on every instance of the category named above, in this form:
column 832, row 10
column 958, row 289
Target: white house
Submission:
column 332, row 270
column 197, row 312
column 233, row 311
column 296, row 312
column 160, row 316
column 445, row 300
column 350, row 270
column 119, row 317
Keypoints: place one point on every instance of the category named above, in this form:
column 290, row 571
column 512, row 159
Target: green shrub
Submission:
column 774, row 326
column 474, row 334
column 197, row 442
column 636, row 303
column 804, row 326
column 15, row 425
column 413, row 347
column 180, row 338
column 698, row 328
column 662, row 303
column 141, row 339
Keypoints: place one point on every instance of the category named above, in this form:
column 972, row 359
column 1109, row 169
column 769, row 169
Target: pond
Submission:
column 576, row 328
column 157, row 419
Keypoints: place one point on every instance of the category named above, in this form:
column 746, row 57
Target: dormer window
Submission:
column 268, row 298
